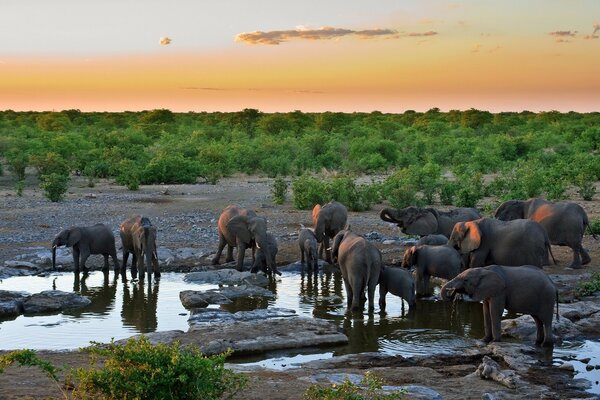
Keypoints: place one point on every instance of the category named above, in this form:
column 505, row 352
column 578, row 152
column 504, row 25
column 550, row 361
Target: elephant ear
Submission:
column 490, row 284
column 74, row 237
column 238, row 225
column 472, row 237
column 422, row 222
column 337, row 241
column 315, row 214
column 410, row 257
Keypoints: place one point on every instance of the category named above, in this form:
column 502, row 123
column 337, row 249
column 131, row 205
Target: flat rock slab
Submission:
column 212, row 316
column 259, row 336
column 201, row 299
column 11, row 303
column 226, row 277
column 52, row 301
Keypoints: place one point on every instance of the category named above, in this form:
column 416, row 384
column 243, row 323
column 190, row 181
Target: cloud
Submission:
column 476, row 48
column 562, row 36
column 164, row 41
column 588, row 37
column 596, row 27
column 323, row 33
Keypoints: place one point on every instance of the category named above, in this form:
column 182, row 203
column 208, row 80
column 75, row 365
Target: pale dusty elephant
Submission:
column 243, row 229
column 87, row 240
column 565, row 222
column 490, row 241
column 525, row 289
column 360, row 263
column 138, row 236
column 398, row 282
column 327, row 222
column 440, row 261
column 427, row 221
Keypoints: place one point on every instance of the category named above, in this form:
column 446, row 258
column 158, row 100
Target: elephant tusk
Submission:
column 54, row 247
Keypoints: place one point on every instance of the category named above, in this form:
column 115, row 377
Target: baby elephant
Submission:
column 441, row 261
column 433, row 240
column 398, row 282
column 307, row 241
column 525, row 289
column 260, row 258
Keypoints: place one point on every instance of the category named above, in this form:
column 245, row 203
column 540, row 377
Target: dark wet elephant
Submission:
column 439, row 261
column 87, row 240
column 307, row 242
column 564, row 222
column 398, row 282
column 525, row 289
column 427, row 221
column 327, row 222
column 260, row 260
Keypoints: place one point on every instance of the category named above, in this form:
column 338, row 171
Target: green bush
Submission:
column 55, row 186
column 595, row 226
column 170, row 168
column 448, row 191
column 590, row 286
column 470, row 191
column 279, row 191
column 129, row 174
column 308, row 191
column 17, row 163
column 370, row 388
column 585, row 187
column 50, row 163
column 19, row 186
column 141, row 370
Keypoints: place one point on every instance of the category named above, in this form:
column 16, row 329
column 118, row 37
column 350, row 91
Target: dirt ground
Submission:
column 186, row 216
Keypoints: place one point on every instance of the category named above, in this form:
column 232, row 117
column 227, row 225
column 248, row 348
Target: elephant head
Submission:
column 410, row 257
column 509, row 210
column 465, row 237
column 479, row 283
column 252, row 230
column 337, row 241
column 412, row 220
column 67, row 237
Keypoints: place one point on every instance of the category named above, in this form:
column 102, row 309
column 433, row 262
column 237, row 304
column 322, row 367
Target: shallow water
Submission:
column 120, row 309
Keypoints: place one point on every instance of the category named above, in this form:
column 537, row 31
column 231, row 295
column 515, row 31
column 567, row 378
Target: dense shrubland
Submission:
column 456, row 157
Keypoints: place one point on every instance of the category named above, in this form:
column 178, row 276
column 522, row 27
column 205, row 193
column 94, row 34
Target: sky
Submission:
column 314, row 56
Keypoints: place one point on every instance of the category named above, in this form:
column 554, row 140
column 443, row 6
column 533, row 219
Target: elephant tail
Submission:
column 557, row 316
column 589, row 228
column 550, row 251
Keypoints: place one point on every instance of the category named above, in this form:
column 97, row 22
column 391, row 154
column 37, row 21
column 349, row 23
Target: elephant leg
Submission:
column 222, row 244
column 576, row 263
column 301, row 255
column 496, row 310
column 76, row 254
column 371, row 297
column 113, row 255
column 327, row 250
column 141, row 266
column 84, row 256
column 539, row 334
column 487, row 322
column 124, row 263
column 155, row 266
column 134, row 265
column 106, row 267
column 229, row 257
column 585, row 256
column 426, row 285
column 548, row 336
column 240, row 256
column 420, row 283
column 382, row 293
column 348, row 293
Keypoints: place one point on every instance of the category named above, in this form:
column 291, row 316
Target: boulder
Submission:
column 218, row 277
column 11, row 303
column 52, row 301
column 193, row 299
column 524, row 328
column 211, row 316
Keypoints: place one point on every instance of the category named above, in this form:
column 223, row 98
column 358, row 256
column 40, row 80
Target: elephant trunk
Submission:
column 390, row 215
column 54, row 256
column 450, row 290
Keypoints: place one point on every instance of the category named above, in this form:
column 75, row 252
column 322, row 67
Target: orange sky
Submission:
column 451, row 61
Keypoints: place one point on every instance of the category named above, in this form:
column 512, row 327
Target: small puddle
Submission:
column 122, row 309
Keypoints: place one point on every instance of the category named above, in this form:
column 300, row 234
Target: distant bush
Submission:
column 17, row 161
column 170, row 168
column 308, row 191
column 19, row 186
column 50, row 163
column 55, row 186
column 470, row 190
column 279, row 191
column 448, row 191
column 585, row 187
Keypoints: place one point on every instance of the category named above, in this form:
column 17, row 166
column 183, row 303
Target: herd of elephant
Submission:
column 494, row 260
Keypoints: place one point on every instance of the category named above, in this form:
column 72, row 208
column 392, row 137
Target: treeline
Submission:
column 431, row 154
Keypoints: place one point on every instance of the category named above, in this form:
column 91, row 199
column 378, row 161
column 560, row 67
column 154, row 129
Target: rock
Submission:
column 234, row 292
column 256, row 280
column 490, row 369
column 90, row 196
column 211, row 316
column 391, row 241
column 11, row 303
column 220, row 277
column 52, row 301
column 524, row 328
column 417, row 392
column 164, row 254
column 514, row 355
column 567, row 367
column 20, row 265
column 585, row 360
column 192, row 298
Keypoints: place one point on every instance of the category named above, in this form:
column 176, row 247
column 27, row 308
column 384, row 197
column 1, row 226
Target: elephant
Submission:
column 441, row 261
column 490, row 241
column 307, row 241
column 433, row 240
column 327, row 222
column 260, row 259
column 138, row 236
column 427, row 221
column 242, row 228
column 564, row 222
column 524, row 289
column 360, row 263
column 86, row 240
column 398, row 282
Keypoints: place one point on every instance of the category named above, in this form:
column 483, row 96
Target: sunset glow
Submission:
column 342, row 56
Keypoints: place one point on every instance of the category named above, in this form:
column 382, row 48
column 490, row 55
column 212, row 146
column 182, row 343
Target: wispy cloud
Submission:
column 594, row 35
column 562, row 36
column 323, row 33
column 164, row 41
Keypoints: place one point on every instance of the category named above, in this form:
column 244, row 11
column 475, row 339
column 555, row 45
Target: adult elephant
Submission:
column 490, row 241
column 138, row 236
column 87, row 240
column 360, row 263
column 328, row 220
column 431, row 260
column 242, row 228
column 260, row 260
column 525, row 289
column 564, row 222
column 427, row 221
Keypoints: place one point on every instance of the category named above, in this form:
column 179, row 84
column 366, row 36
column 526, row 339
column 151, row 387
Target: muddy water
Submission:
column 120, row 309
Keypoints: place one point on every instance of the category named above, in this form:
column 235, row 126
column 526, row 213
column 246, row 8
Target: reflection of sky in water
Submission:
column 576, row 351
column 121, row 309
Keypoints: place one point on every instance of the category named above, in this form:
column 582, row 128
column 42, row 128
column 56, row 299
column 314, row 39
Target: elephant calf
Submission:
column 525, row 289
column 398, row 282
column 260, row 259
column 86, row 240
column 139, row 238
column 433, row 240
column 307, row 241
column 440, row 261
column 360, row 263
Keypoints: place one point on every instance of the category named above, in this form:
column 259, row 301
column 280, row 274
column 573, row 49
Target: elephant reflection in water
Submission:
column 252, row 303
column 139, row 305
column 321, row 290
column 102, row 297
